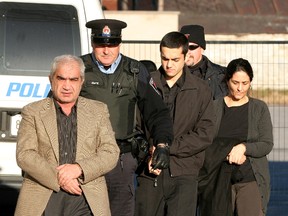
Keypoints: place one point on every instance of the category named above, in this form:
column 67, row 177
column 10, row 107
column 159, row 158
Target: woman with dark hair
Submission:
column 235, row 176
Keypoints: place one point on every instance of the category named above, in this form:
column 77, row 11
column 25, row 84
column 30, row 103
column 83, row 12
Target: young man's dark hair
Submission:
column 175, row 40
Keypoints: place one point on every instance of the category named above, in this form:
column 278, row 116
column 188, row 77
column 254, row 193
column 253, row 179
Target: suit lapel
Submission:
column 83, row 123
column 48, row 116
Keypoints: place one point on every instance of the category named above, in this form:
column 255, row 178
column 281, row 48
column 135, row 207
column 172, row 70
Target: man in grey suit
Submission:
column 65, row 147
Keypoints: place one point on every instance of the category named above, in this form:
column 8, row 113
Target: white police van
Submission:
column 32, row 33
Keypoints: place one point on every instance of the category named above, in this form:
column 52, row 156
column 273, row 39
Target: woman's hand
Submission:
column 237, row 154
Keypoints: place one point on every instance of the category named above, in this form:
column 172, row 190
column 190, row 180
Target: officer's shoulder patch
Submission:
column 153, row 85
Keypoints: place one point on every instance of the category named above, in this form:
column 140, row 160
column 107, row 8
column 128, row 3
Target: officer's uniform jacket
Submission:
column 120, row 91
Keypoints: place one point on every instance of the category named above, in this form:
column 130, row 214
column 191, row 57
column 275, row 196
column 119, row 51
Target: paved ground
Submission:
column 278, row 201
column 278, row 204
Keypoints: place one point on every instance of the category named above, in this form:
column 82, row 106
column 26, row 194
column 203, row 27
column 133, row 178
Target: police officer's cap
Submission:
column 106, row 31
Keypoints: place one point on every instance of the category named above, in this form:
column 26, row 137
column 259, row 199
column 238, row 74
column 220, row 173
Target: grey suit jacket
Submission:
column 37, row 154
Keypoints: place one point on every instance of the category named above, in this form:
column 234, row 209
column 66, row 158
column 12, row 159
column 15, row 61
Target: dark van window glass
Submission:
column 31, row 35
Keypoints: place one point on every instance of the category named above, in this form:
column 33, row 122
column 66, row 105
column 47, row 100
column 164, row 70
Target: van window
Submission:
column 31, row 35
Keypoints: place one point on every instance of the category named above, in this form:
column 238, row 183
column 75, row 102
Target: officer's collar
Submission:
column 111, row 69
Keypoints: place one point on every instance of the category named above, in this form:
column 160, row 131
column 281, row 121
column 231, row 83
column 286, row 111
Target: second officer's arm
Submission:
column 157, row 119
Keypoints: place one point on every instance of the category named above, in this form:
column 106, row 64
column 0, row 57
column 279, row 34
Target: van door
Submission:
column 31, row 35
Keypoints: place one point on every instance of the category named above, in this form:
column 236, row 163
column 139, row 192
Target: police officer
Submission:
column 124, row 84
column 200, row 65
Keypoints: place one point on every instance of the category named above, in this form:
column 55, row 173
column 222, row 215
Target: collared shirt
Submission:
column 199, row 69
column 170, row 93
column 63, row 201
column 67, row 134
column 101, row 67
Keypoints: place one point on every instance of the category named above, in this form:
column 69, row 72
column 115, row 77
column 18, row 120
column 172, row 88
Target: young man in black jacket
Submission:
column 173, row 191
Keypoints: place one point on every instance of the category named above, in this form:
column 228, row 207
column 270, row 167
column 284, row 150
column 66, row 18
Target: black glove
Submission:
column 160, row 158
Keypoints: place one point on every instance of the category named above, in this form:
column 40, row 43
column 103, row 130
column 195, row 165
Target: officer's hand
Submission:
column 160, row 157
column 150, row 167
